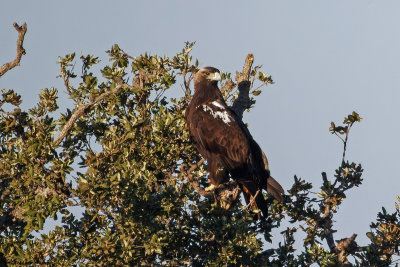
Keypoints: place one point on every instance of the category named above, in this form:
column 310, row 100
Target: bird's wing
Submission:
column 216, row 130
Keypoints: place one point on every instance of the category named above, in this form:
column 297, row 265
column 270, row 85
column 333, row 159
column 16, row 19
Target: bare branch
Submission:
column 20, row 49
column 82, row 109
column 345, row 143
column 243, row 101
column 127, row 55
column 245, row 74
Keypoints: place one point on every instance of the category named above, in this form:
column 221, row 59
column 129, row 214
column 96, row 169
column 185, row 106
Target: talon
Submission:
column 210, row 188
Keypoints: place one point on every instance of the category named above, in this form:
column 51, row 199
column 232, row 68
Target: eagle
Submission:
column 224, row 141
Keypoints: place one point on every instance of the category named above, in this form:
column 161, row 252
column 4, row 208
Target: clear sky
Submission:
column 327, row 58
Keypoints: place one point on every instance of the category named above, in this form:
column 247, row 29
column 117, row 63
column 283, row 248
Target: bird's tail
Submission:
column 275, row 189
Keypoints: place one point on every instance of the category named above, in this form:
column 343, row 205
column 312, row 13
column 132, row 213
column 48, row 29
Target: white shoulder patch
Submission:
column 223, row 115
column 217, row 104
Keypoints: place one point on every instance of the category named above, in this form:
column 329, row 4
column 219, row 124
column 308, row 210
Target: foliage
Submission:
column 121, row 162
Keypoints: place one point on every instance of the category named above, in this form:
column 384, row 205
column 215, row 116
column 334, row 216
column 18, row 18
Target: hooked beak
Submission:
column 214, row 76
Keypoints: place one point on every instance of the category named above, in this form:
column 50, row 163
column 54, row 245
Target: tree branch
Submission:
column 345, row 247
column 186, row 83
column 82, row 109
column 245, row 74
column 189, row 177
column 243, row 101
column 20, row 49
column 326, row 216
column 66, row 80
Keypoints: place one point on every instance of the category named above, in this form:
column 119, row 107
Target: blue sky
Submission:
column 327, row 58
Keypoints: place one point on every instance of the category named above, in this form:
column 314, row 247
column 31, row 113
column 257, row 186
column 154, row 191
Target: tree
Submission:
column 123, row 155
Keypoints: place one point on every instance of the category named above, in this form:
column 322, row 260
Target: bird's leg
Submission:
column 211, row 188
column 218, row 175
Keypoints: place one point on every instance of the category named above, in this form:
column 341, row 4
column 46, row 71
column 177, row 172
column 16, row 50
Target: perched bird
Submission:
column 225, row 142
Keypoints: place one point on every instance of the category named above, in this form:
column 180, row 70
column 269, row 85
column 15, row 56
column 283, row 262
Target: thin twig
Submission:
column 345, row 142
column 261, row 85
column 20, row 49
column 339, row 136
column 195, row 166
column 66, row 80
column 126, row 54
column 253, row 199
column 186, row 83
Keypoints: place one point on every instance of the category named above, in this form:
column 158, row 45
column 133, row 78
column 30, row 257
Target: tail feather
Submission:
column 275, row 189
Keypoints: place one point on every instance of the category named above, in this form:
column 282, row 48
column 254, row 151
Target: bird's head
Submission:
column 208, row 75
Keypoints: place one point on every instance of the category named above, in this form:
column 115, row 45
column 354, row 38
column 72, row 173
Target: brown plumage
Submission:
column 225, row 142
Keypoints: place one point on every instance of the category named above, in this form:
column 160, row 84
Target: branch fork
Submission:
column 20, row 49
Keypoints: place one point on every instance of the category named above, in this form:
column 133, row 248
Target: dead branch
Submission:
column 20, row 49
column 243, row 101
column 245, row 74
column 81, row 110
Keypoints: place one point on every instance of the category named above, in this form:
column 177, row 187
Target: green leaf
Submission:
column 371, row 236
